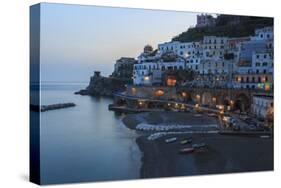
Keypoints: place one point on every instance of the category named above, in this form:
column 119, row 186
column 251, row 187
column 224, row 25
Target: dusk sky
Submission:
column 76, row 40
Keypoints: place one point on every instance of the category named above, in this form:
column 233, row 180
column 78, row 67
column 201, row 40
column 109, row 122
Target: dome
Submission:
column 148, row 48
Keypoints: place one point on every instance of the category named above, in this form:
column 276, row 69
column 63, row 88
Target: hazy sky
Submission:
column 76, row 40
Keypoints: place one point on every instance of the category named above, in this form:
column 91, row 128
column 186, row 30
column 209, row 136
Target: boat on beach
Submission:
column 186, row 150
column 201, row 145
column 186, row 141
column 169, row 140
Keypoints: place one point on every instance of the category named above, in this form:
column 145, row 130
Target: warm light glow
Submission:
column 214, row 99
column 196, row 105
column 134, row 90
column 183, row 94
column 231, row 102
column 239, row 79
column 146, row 78
column 159, row 93
column 182, row 106
column 141, row 103
column 267, row 87
column 198, row 96
column 220, row 107
column 171, row 82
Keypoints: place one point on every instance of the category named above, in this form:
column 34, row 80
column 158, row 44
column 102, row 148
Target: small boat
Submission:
column 264, row 136
column 186, row 150
column 197, row 115
column 169, row 140
column 186, row 141
column 201, row 145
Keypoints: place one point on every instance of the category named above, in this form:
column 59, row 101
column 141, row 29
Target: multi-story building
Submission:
column 184, row 49
column 123, row 67
column 204, row 20
column 151, row 65
column 262, row 106
column 214, row 47
column 255, row 65
column 265, row 33
column 191, row 51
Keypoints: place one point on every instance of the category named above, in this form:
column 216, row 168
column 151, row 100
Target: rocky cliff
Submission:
column 103, row 86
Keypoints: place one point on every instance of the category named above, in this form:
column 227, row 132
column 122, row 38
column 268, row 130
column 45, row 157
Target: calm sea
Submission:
column 86, row 142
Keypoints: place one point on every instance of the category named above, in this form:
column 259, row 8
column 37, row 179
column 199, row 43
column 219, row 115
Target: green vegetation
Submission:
column 226, row 25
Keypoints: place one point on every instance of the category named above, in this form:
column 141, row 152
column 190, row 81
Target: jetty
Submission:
column 44, row 108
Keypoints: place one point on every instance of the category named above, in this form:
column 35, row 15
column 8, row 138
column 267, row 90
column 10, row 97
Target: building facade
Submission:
column 123, row 67
column 204, row 20
column 262, row 106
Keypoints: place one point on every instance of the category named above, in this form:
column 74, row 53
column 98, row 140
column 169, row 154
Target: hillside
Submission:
column 226, row 25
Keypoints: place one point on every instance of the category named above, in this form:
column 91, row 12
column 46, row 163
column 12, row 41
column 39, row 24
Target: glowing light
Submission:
column 146, row 78
column 239, row 79
column 183, row 94
column 159, row 93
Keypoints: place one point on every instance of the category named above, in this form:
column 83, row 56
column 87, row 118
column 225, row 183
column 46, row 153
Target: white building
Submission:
column 183, row 49
column 190, row 51
column 262, row 62
column 261, row 106
column 214, row 47
column 151, row 65
column 265, row 33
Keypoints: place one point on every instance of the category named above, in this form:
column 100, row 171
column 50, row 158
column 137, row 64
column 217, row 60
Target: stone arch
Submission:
column 206, row 98
column 184, row 95
column 242, row 102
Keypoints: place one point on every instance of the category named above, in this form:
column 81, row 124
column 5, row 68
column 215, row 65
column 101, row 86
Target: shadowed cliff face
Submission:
column 103, row 86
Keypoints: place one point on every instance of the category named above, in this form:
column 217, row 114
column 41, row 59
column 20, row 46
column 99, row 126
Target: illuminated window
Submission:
column 171, row 81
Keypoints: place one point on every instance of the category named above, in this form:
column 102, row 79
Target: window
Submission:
column 264, row 64
column 257, row 71
column 264, row 56
column 264, row 71
column 253, row 79
column 258, row 64
column 258, row 56
column 261, row 35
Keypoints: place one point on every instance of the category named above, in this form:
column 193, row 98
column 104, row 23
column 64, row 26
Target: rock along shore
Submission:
column 103, row 86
